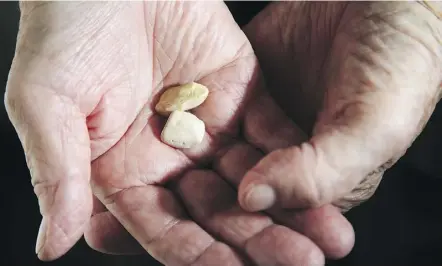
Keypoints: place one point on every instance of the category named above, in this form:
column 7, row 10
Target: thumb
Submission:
column 369, row 118
column 55, row 139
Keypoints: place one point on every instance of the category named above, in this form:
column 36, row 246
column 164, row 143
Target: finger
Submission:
column 156, row 220
column 55, row 139
column 368, row 120
column 286, row 245
column 105, row 234
column 325, row 226
column 212, row 203
column 267, row 127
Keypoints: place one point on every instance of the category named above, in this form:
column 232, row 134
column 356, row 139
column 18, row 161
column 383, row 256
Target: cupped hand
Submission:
column 360, row 78
column 81, row 95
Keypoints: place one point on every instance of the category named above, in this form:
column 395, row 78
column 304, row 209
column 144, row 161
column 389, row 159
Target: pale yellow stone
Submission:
column 183, row 130
column 182, row 98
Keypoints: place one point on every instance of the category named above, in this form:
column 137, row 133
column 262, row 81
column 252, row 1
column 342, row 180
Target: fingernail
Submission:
column 41, row 237
column 260, row 197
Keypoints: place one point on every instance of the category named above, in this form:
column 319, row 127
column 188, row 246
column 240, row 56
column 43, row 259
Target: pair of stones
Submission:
column 183, row 129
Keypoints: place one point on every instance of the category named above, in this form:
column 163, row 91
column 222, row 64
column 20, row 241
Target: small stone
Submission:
column 183, row 130
column 182, row 98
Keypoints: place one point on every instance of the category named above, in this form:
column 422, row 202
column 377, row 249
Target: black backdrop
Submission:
column 400, row 225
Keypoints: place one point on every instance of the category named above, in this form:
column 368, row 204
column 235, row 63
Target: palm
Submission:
column 111, row 73
column 128, row 153
column 130, row 140
column 128, row 174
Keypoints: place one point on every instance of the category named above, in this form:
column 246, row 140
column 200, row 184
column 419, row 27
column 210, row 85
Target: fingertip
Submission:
column 329, row 229
column 278, row 178
column 107, row 235
column 289, row 248
column 41, row 239
column 299, row 175
column 257, row 197
column 314, row 257
column 344, row 240
column 66, row 213
column 53, row 242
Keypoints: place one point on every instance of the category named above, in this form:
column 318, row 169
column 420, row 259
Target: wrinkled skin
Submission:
column 81, row 94
column 361, row 79
column 73, row 104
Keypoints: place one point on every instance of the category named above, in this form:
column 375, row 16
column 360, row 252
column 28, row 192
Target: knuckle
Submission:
column 195, row 258
column 11, row 102
column 310, row 197
column 45, row 192
column 309, row 187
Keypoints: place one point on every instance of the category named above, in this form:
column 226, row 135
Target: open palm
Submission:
column 82, row 89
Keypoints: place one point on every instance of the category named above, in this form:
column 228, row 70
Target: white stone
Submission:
column 183, row 130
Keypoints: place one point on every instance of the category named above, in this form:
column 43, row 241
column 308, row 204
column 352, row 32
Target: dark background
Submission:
column 400, row 225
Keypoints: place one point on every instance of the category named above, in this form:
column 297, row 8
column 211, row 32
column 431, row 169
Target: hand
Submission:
column 82, row 88
column 361, row 79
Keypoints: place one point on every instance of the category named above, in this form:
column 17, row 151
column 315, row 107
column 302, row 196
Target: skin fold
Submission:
column 81, row 95
column 360, row 79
